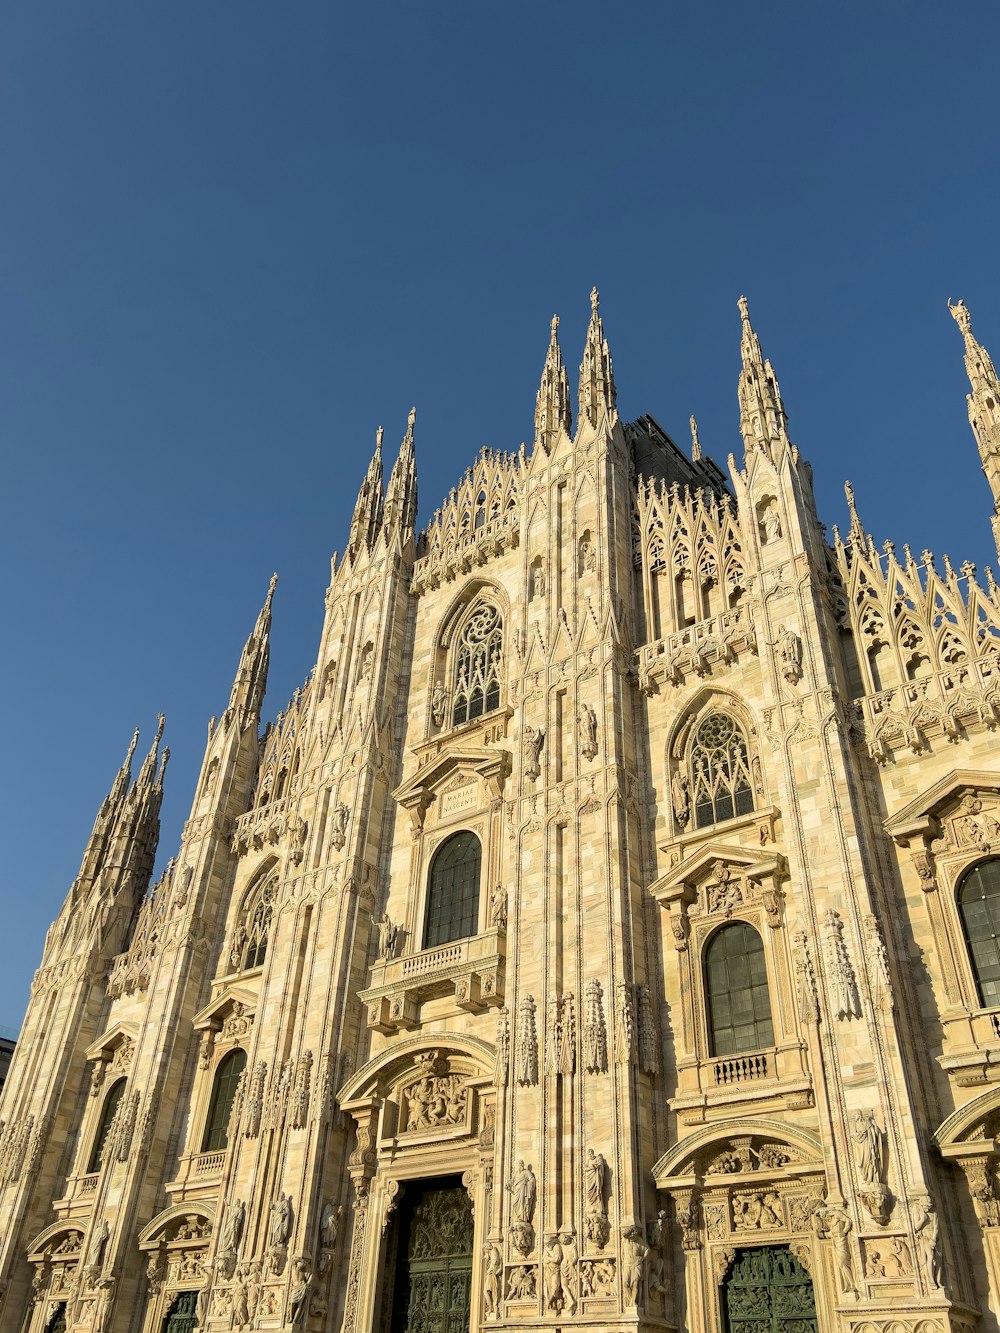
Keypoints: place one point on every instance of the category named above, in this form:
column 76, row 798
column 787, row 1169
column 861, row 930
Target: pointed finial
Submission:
column 411, row 420
column 131, row 749
column 378, row 439
column 695, row 442
column 160, row 720
column 595, row 300
column 554, row 328
column 856, row 527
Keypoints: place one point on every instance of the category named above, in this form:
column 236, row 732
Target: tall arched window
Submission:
column 720, row 771
column 979, row 906
column 739, row 1007
column 227, row 1078
column 453, row 891
column 479, row 665
column 108, row 1112
column 250, row 945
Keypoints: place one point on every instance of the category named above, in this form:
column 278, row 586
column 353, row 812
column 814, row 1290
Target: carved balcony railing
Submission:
column 696, row 649
column 471, row 970
column 263, row 826
column 740, row 1069
column 209, row 1163
column 941, row 703
column 87, row 1184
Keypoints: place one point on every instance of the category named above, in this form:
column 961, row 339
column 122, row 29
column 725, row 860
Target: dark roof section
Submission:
column 656, row 456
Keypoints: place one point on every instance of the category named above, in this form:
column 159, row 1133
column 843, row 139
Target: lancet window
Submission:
column 721, row 782
column 736, row 994
column 250, row 945
column 108, row 1112
column 227, row 1080
column 979, row 907
column 478, row 665
column 453, row 890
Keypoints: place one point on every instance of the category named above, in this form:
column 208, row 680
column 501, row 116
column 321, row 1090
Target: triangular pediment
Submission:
column 922, row 815
column 214, row 1013
column 116, row 1035
column 441, row 770
column 711, row 859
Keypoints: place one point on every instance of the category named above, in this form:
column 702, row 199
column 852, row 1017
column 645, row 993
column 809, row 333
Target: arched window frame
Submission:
column 254, row 929
column 476, row 666
column 690, row 768
column 106, row 1118
column 763, row 984
column 214, row 1124
column 473, row 913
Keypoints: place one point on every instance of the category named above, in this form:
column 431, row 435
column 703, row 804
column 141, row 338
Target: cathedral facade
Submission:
column 605, row 935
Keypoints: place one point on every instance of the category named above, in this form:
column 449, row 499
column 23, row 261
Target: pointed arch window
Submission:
column 227, row 1080
column 720, row 771
column 250, row 947
column 453, row 890
column 979, row 908
column 736, row 995
column 108, row 1112
column 478, row 665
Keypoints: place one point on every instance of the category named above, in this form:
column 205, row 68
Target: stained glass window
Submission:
column 227, row 1078
column 739, row 1008
column 979, row 906
column 479, row 665
column 720, row 771
column 453, row 891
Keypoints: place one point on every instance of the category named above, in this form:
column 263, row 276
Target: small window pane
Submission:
column 739, row 1008
column 453, row 891
column 227, row 1078
column 979, row 908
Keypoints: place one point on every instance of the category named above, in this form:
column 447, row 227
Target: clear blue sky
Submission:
column 237, row 236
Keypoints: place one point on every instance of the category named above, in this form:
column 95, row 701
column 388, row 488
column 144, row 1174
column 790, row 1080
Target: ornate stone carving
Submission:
column 595, row 1183
column 254, row 1105
column 503, row 1048
column 757, row 1212
column 927, row 1241
column 789, row 655
column 979, row 1172
column 522, row 1283
column 680, row 798
column 598, row 1277
column 624, row 1025
column 278, row 1233
column 339, row 816
column 586, row 727
column 870, row 1155
column 838, row 1226
column 805, row 979
column 388, row 932
column 298, row 1298
column 878, row 960
column 595, row 1032
column 533, row 742
column 843, row 983
column 492, row 1279
column 435, row 1100
column 299, row 1108
column 361, row 1198
column 686, row 1213
column 887, row 1256
column 498, row 906
column 523, row 1188
column 648, row 1062
column 634, row 1253
column 237, row 1023
column 232, row 1229
column 526, row 1064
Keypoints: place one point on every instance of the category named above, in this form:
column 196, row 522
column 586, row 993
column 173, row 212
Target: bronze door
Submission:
column 434, row 1264
column 182, row 1317
column 768, row 1291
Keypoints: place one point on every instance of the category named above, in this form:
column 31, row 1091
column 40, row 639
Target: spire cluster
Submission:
column 392, row 512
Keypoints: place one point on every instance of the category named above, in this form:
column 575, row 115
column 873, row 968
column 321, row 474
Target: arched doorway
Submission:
column 768, row 1291
column 433, row 1283
column 182, row 1317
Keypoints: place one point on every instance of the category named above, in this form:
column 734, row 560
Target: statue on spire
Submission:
column 598, row 396
column 553, row 415
column 984, row 406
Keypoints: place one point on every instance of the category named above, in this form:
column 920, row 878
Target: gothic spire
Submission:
column 763, row 422
column 251, row 677
column 123, row 778
column 368, row 507
column 401, row 495
column 857, row 531
column 597, row 380
column 695, row 442
column 984, row 406
column 553, row 414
